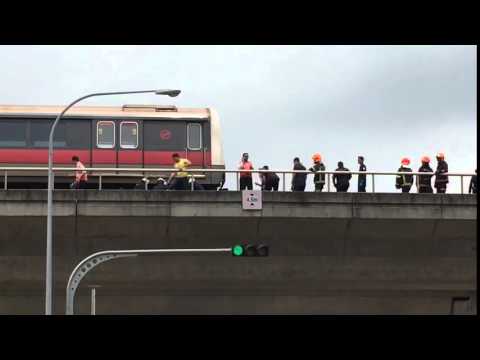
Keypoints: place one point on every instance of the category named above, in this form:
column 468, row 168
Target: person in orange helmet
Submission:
column 404, row 182
column 424, row 182
column 318, row 179
column 441, row 180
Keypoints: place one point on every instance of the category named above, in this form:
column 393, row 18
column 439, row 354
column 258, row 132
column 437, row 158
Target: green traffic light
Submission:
column 237, row 250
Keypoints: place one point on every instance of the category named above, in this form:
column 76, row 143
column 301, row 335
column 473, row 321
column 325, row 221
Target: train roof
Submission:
column 143, row 111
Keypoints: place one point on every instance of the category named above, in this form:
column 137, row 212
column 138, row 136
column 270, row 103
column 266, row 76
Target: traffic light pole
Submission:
column 96, row 259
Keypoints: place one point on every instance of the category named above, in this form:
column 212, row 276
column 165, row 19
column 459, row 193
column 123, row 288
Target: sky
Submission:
column 279, row 102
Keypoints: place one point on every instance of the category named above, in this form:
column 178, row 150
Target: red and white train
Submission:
column 137, row 136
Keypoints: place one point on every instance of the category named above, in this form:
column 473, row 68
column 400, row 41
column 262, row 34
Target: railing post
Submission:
column 6, row 179
column 283, row 181
column 238, row 181
column 461, row 183
column 93, row 310
column 192, row 187
column 373, row 182
column 100, row 182
column 146, row 184
column 328, row 182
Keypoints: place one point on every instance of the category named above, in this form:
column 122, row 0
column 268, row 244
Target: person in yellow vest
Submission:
column 179, row 180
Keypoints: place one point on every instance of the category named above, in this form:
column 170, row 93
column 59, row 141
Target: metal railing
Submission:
column 145, row 173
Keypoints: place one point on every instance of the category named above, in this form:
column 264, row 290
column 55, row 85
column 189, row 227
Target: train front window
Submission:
column 106, row 134
column 13, row 133
column 194, row 136
column 128, row 135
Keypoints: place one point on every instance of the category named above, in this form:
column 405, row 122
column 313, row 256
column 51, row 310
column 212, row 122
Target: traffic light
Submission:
column 250, row 250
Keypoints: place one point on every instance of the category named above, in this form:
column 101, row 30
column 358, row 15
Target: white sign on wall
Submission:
column 252, row 199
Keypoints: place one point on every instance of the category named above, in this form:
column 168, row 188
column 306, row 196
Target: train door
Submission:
column 129, row 145
column 117, row 143
column 104, row 152
column 195, row 147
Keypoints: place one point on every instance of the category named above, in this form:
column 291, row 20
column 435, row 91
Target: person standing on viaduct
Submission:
column 298, row 180
column 341, row 181
column 245, row 177
column 269, row 181
column 81, row 176
column 318, row 179
column 472, row 189
column 441, row 180
column 362, row 179
column 424, row 182
column 404, row 181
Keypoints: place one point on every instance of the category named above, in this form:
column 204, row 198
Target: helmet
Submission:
column 425, row 159
column 440, row 155
column 405, row 161
column 317, row 157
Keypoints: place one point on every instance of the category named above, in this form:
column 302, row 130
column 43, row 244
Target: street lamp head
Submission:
column 171, row 93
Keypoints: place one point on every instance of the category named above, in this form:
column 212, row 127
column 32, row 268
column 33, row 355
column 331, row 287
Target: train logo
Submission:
column 165, row 134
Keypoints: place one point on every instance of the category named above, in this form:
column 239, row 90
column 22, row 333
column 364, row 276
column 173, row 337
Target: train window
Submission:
column 13, row 133
column 106, row 134
column 73, row 134
column 78, row 133
column 40, row 132
column 165, row 135
column 194, row 136
column 128, row 135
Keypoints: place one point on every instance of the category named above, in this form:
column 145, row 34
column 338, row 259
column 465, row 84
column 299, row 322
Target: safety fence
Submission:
column 144, row 174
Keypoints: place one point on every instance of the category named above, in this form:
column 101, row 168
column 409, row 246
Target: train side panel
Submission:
column 111, row 141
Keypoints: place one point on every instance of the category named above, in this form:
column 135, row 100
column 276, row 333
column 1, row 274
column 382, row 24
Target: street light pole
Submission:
column 49, row 255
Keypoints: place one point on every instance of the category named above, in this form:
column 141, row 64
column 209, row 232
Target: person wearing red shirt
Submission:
column 81, row 177
column 245, row 177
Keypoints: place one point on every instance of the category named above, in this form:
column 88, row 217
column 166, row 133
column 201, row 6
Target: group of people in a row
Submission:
column 270, row 180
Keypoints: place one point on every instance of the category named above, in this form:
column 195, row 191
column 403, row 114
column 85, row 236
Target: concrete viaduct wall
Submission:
column 330, row 253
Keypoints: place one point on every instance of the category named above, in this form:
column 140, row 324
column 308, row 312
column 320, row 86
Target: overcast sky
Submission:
column 278, row 102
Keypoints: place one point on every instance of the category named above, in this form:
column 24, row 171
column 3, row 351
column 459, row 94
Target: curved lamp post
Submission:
column 97, row 258
column 49, row 272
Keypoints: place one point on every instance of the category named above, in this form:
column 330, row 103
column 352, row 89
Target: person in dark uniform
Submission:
column 441, row 180
column 298, row 180
column 404, row 182
column 318, row 179
column 269, row 180
column 341, row 181
column 362, row 179
column 424, row 182
column 472, row 189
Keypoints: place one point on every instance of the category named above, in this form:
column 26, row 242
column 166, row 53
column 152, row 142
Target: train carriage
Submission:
column 131, row 136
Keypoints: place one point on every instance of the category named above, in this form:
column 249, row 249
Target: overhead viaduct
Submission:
column 330, row 253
